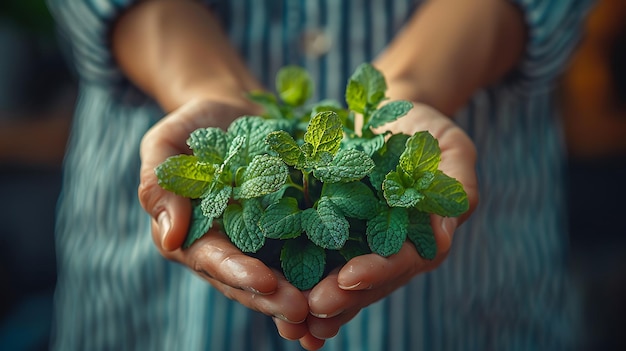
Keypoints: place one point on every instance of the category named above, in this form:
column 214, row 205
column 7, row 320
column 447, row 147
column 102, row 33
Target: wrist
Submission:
column 406, row 87
column 225, row 89
column 177, row 51
column 404, row 82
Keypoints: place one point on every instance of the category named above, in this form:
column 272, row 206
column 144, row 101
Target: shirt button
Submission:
column 315, row 42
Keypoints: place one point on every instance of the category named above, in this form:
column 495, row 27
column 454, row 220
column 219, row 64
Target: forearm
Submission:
column 176, row 51
column 451, row 48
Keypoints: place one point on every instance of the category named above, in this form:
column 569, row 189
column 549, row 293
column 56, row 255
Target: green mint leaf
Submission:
column 398, row 193
column 252, row 213
column 238, row 232
column 209, row 144
column 198, row 225
column 348, row 165
column 387, row 231
column 445, row 197
column 282, row 219
column 326, row 226
column 387, row 159
column 287, row 149
column 330, row 105
column 354, row 199
column 368, row 145
column 368, row 82
column 356, row 96
column 422, row 154
column 264, row 175
column 421, row 234
column 424, row 181
column 274, row 197
column 303, row 263
column 321, row 159
column 233, row 150
column 280, row 124
column 268, row 101
column 389, row 113
column 294, row 85
column 323, row 134
column 254, row 129
column 326, row 105
column 185, row 175
column 215, row 201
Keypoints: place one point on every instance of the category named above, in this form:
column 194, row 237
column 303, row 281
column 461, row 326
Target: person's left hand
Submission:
column 368, row 278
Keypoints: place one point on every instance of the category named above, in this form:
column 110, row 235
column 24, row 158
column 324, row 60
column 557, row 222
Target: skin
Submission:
column 190, row 68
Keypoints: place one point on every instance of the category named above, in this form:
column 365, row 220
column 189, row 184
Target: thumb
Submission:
column 170, row 213
column 443, row 229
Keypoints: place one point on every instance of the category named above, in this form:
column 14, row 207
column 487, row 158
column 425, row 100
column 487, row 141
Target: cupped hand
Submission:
column 213, row 257
column 368, row 278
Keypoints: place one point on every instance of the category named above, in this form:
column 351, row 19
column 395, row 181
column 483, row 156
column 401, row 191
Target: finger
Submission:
column 170, row 213
column 299, row 332
column 286, row 303
column 458, row 160
column 326, row 328
column 290, row 331
column 243, row 278
column 327, row 300
column 214, row 256
column 443, row 231
column 310, row 342
column 371, row 271
column 331, row 307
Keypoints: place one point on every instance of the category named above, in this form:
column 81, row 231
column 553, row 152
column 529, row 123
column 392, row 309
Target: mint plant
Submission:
column 305, row 191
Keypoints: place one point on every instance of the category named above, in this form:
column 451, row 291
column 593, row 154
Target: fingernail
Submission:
column 164, row 226
column 255, row 291
column 449, row 224
column 351, row 287
column 282, row 317
column 319, row 337
column 326, row 315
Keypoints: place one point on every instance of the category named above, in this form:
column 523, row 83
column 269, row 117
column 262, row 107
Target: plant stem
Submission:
column 292, row 184
column 305, row 189
column 366, row 119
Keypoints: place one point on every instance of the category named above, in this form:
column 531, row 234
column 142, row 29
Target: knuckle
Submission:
column 197, row 262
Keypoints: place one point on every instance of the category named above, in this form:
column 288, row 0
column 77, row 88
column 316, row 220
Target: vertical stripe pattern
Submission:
column 503, row 287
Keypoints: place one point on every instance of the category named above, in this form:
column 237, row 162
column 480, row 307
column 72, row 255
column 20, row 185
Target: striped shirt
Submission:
column 504, row 285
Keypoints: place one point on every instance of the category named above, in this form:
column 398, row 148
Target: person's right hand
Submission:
column 213, row 257
column 365, row 279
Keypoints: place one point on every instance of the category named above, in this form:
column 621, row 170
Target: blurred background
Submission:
column 593, row 101
column 38, row 90
column 37, row 93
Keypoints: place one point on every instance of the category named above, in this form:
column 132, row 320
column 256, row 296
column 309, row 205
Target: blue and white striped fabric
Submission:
column 503, row 287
